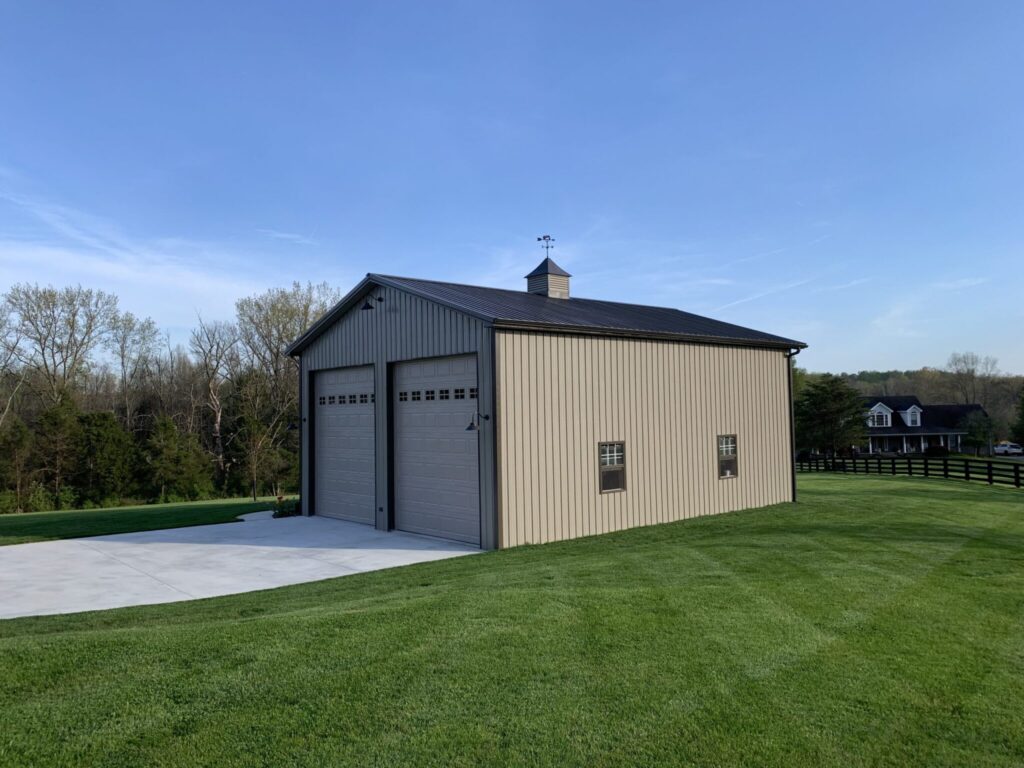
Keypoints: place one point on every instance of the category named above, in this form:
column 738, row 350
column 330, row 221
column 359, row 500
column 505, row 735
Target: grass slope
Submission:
column 73, row 524
column 877, row 623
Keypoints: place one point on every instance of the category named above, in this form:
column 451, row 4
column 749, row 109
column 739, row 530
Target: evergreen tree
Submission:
column 1017, row 430
column 176, row 464
column 15, row 469
column 830, row 415
column 57, row 449
column 106, row 460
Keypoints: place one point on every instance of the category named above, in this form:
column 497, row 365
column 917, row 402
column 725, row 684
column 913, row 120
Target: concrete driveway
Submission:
column 203, row 561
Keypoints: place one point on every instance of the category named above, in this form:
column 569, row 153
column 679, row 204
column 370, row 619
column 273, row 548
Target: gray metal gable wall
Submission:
column 405, row 327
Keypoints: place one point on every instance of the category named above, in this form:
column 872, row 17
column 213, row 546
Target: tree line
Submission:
column 829, row 408
column 99, row 408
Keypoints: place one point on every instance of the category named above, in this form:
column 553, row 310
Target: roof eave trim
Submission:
column 722, row 341
column 317, row 328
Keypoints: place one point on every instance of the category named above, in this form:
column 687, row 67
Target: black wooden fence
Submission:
column 980, row 470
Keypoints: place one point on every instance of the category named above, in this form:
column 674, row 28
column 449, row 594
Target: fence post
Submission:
column 894, row 466
column 967, row 470
column 910, row 468
column 879, row 460
column 926, row 466
column 990, row 480
column 945, row 468
column 1016, row 475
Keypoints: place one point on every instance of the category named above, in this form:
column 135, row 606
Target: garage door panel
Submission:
column 436, row 458
column 345, row 464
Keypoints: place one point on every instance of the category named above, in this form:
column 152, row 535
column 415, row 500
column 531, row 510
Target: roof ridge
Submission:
column 527, row 293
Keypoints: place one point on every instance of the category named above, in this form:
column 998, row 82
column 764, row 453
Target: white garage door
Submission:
column 344, row 472
column 437, row 489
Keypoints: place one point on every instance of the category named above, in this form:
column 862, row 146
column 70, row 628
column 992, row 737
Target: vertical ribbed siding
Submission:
column 562, row 395
column 405, row 327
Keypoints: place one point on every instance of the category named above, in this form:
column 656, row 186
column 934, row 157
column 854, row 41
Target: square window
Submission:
column 460, row 394
column 416, row 395
column 364, row 398
column 611, row 462
column 403, row 397
column 323, row 400
column 443, row 394
column 352, row 399
column 373, row 397
column 728, row 465
column 330, row 400
column 428, row 395
column 472, row 393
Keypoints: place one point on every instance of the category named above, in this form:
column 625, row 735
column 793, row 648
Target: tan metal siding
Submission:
column 406, row 327
column 560, row 395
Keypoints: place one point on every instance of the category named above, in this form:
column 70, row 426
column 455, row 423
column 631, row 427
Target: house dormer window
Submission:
column 879, row 419
column 914, row 419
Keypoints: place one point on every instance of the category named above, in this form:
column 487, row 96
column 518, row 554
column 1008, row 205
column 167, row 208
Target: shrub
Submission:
column 287, row 507
column 936, row 450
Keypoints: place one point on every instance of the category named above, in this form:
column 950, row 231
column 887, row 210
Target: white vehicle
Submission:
column 1008, row 449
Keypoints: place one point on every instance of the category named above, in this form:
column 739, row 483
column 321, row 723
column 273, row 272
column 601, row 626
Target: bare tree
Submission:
column 268, row 391
column 214, row 346
column 59, row 329
column 973, row 376
column 177, row 388
column 134, row 343
column 12, row 376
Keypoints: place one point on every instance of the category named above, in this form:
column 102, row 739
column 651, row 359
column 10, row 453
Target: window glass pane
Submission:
column 416, row 394
column 613, row 479
column 727, row 461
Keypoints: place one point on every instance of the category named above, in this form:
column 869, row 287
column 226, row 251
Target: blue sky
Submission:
column 847, row 173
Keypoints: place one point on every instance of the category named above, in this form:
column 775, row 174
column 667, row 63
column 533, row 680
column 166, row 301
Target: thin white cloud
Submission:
column 958, row 285
column 290, row 237
column 763, row 294
column 842, row 286
column 169, row 279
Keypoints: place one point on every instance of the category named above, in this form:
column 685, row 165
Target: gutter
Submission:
column 793, row 352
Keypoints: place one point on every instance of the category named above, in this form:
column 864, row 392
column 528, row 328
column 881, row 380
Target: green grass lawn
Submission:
column 73, row 524
column 880, row 622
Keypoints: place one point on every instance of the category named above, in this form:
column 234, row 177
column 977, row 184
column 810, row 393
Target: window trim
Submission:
column 602, row 468
column 735, row 455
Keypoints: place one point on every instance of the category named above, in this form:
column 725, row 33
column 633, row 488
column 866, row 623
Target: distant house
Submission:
column 901, row 424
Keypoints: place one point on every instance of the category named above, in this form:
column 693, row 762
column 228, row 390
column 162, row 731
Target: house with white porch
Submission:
column 901, row 424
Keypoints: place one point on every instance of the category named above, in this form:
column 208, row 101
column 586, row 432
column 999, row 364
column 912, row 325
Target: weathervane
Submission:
column 547, row 242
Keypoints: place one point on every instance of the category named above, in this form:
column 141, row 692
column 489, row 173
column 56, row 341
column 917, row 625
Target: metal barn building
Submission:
column 501, row 418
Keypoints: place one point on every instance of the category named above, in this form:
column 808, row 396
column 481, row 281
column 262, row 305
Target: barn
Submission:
column 499, row 417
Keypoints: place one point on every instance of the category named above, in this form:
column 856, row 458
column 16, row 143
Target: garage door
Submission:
column 437, row 489
column 344, row 473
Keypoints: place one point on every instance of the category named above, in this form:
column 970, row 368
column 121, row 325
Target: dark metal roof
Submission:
column 530, row 311
column 548, row 267
column 895, row 402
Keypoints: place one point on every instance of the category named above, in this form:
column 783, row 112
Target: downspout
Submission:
column 792, row 417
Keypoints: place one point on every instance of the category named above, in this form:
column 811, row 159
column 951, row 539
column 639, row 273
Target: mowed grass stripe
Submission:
column 877, row 622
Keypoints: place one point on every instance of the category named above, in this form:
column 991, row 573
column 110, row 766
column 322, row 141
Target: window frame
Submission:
column 734, row 456
column 603, row 469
